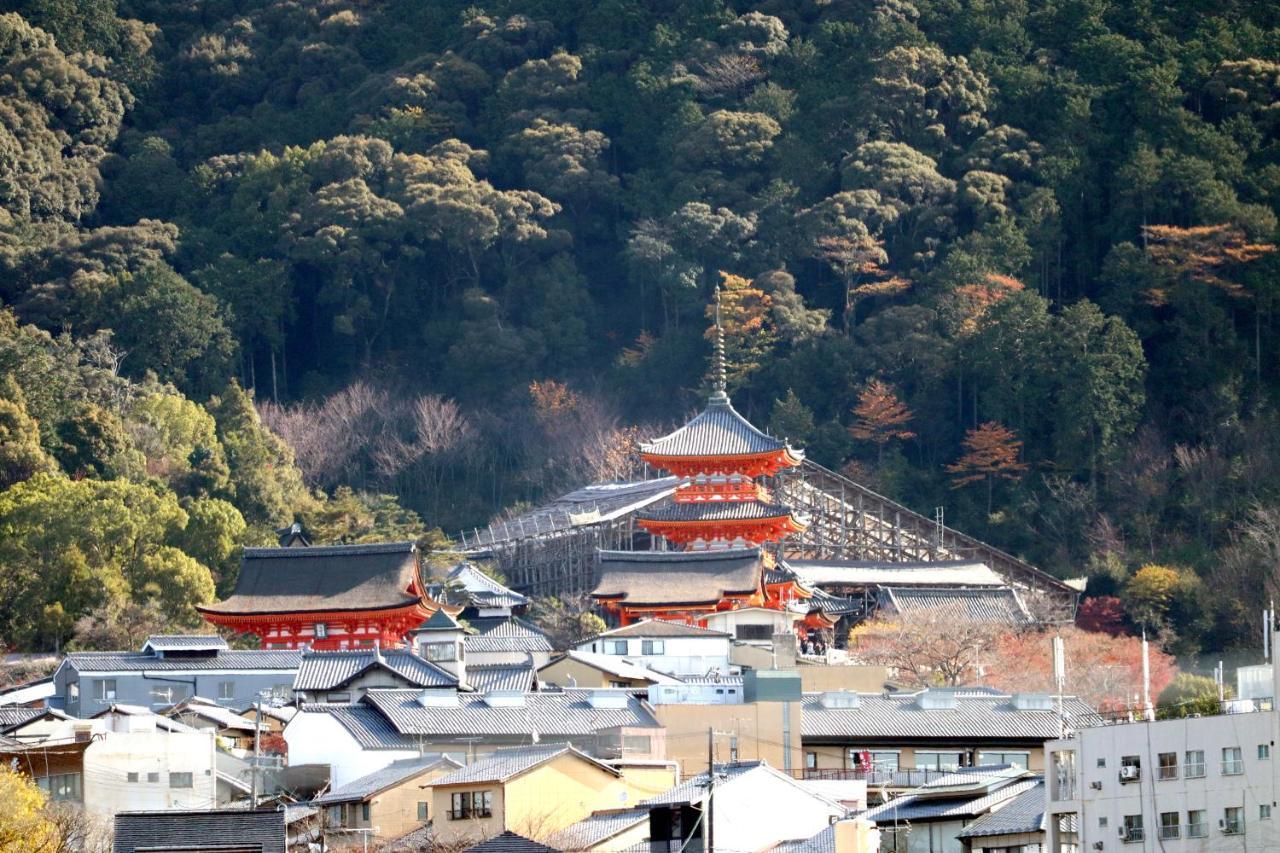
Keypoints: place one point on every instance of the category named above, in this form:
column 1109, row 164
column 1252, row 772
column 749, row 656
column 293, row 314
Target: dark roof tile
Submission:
column 718, row 430
column 678, row 577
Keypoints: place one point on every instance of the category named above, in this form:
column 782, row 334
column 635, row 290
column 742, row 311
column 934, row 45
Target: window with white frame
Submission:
column 181, row 780
column 1167, row 765
column 1232, row 761
column 1232, row 820
column 1197, row 823
column 441, row 651
column 1132, row 829
column 104, row 690
column 226, row 690
column 938, row 760
column 1264, row 752
column 1264, row 811
column 1169, row 828
column 1194, row 766
column 615, row 647
column 1016, row 759
column 652, row 647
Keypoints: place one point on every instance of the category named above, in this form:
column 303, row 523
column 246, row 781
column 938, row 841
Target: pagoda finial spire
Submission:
column 721, row 394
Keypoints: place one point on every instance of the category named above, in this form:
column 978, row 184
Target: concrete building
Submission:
column 169, row 669
column 592, row 669
column 669, row 647
column 385, row 804
column 1196, row 783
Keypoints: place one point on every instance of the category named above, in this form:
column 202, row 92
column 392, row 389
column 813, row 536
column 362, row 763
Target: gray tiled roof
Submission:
column 327, row 670
column 338, row 577
column 369, row 728
column 11, row 716
column 718, row 430
column 658, row 628
column 1000, row 604
column 693, row 789
column 823, row 842
column 483, row 590
column 715, row 511
column 615, row 665
column 273, row 659
column 510, row 842
column 1024, row 814
column 915, row 807
column 503, row 764
column 193, row 830
column 501, row 676
column 598, row 828
column 184, row 642
column 380, row 780
column 564, row 713
column 678, row 577
column 505, row 635
column 898, row 716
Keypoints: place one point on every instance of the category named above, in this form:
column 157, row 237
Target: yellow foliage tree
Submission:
column 25, row 826
column 749, row 335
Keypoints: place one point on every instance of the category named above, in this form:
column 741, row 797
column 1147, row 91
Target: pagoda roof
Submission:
column 678, row 577
column 716, row 511
column 718, row 430
column 323, row 579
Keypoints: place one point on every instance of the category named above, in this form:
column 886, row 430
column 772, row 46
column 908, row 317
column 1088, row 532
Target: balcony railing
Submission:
column 1197, row 830
column 1167, row 773
column 1170, row 833
column 1194, row 771
column 1133, row 835
column 1232, row 827
column 878, row 778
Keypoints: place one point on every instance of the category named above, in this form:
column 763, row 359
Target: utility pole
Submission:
column 707, row 838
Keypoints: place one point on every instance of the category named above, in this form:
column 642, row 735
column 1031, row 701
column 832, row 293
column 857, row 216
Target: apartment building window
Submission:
column 226, row 690
column 467, row 804
column 1264, row 751
column 131, row 777
column 1232, row 820
column 1130, row 768
column 1167, row 765
column 422, row 812
column 1132, row 828
column 180, row 780
column 1102, row 821
column 1102, row 762
column 104, row 690
column 1232, row 761
column 653, row 647
column 61, row 786
column 1169, row 828
column 615, row 647
column 879, row 760
column 1197, row 824
column 637, row 744
column 1064, row 775
column 1194, row 768
column 153, row 778
column 938, row 760
column 1016, row 759
column 1264, row 811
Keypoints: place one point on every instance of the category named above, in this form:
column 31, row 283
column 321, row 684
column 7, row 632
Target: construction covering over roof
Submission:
column 963, row 573
column 323, row 579
column 380, row 780
column 961, row 716
column 678, row 577
column 327, row 670
column 718, row 430
column 503, row 764
column 997, row 605
column 505, row 635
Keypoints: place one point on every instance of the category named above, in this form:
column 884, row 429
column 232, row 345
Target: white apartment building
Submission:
column 667, row 647
column 1204, row 783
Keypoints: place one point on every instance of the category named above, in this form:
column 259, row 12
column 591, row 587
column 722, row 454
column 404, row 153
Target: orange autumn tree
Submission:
column 965, row 307
column 859, row 262
column 880, row 417
column 991, row 453
column 747, row 317
column 1207, row 254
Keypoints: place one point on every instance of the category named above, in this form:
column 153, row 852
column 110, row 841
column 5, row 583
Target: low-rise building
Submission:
column 344, row 676
column 168, row 670
column 1018, row 825
column 670, row 647
column 386, row 804
column 592, row 669
column 606, row 830
column 231, row 829
column 232, row 730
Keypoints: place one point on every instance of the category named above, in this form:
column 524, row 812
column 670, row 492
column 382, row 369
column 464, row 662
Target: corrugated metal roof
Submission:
column 900, row 716
column 317, row 579
column 184, row 642
column 393, row 774
column 484, row 591
column 498, row 676
column 503, row 764
column 1000, row 605
column 506, row 635
column 715, row 511
column 194, row 829
column 598, row 828
column 273, row 659
column 330, row 669
column 564, row 713
column 1024, row 814
column 718, row 430
column 615, row 665
column 510, row 842
column 916, row 807
column 678, row 577
column 861, row 573
column 658, row 628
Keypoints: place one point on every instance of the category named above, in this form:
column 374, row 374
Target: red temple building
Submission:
column 332, row 597
column 719, row 517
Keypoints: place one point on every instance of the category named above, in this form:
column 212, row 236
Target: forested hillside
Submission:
column 1011, row 258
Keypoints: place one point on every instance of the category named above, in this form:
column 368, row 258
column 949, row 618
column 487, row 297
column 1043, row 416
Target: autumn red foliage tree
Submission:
column 1208, row 254
column 991, row 452
column 1102, row 614
column 880, row 417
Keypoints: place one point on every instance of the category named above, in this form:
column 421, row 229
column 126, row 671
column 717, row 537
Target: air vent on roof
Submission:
column 839, row 699
column 504, row 699
column 937, row 700
column 607, row 698
column 438, row 699
column 1033, row 701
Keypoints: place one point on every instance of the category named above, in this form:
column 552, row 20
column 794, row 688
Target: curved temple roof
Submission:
column 718, row 430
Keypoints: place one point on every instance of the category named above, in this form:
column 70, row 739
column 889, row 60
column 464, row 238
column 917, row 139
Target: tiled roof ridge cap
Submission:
column 405, row 547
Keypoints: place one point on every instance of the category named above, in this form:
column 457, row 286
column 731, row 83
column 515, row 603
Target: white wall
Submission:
column 109, row 760
column 317, row 738
column 790, row 812
column 680, row 655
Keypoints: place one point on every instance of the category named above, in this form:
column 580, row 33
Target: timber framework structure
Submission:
column 554, row 550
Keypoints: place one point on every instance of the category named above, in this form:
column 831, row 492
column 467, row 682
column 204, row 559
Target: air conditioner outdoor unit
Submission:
column 1130, row 773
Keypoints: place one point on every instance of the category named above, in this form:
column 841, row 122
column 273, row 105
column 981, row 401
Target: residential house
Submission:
column 592, row 669
column 753, row 625
column 753, row 807
column 30, row 724
column 673, row 648
column 274, row 717
column 534, row 790
column 31, row 694
column 231, row 830
column 1201, row 782
column 912, row 737
column 386, row 804
column 344, row 676
column 232, row 730
column 851, row 835
column 388, row 725
column 932, row 816
column 606, row 830
column 169, row 669
column 1018, row 825
column 506, row 641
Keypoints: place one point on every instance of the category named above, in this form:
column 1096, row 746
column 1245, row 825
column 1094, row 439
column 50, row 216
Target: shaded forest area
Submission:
column 1011, row 258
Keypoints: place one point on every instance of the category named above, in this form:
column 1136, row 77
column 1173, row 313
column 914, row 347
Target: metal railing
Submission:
column 1197, row 830
column 1232, row 767
column 875, row 778
column 1133, row 835
column 1194, row 770
column 1170, row 832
